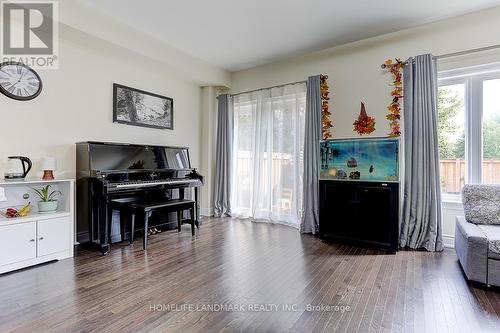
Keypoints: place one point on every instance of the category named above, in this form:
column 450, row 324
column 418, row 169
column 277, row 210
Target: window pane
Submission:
column 451, row 136
column 491, row 131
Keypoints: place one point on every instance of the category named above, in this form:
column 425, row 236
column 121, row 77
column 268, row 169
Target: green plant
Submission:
column 45, row 195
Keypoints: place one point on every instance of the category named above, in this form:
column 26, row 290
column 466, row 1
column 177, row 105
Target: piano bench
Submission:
column 146, row 208
column 120, row 205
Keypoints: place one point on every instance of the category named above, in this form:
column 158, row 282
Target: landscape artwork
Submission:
column 360, row 159
column 141, row 108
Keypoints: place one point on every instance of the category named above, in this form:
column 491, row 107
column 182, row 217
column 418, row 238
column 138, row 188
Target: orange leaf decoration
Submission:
column 364, row 124
column 326, row 123
column 394, row 107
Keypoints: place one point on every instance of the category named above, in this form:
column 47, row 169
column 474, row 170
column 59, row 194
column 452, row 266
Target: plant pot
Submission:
column 47, row 206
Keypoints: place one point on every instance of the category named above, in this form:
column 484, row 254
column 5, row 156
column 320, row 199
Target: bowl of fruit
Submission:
column 16, row 211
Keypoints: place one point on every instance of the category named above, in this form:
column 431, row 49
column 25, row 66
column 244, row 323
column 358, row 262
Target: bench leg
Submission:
column 193, row 219
column 146, row 222
column 109, row 222
column 179, row 220
column 132, row 228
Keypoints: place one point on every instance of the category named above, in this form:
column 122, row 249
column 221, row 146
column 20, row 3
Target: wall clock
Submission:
column 19, row 81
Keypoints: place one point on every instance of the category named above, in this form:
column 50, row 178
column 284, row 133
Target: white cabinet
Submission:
column 17, row 243
column 38, row 237
column 26, row 243
column 53, row 236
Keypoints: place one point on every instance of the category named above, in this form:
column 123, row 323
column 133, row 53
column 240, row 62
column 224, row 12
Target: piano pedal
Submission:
column 153, row 231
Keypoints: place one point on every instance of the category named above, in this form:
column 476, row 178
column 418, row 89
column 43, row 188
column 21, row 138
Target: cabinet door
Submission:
column 375, row 208
column 53, row 235
column 17, row 242
column 339, row 209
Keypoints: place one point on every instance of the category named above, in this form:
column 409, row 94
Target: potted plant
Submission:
column 48, row 199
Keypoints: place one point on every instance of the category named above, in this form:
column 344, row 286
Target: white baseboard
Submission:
column 207, row 212
column 449, row 241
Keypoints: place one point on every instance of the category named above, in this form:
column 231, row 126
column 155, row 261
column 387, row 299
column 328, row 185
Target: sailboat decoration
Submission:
column 364, row 124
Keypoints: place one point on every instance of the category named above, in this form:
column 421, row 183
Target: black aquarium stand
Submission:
column 360, row 213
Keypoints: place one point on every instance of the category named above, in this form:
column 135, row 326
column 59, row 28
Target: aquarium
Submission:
column 360, row 159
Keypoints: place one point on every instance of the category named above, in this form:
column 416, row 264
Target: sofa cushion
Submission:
column 482, row 204
column 492, row 233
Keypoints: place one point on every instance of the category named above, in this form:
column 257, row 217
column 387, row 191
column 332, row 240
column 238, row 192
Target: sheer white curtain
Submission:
column 268, row 154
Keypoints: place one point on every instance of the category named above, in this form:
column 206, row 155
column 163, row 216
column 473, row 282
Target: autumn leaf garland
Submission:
column 326, row 123
column 394, row 107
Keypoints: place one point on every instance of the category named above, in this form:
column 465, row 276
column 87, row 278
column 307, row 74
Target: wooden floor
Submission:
column 270, row 272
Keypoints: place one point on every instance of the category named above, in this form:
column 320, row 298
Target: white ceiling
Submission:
column 236, row 34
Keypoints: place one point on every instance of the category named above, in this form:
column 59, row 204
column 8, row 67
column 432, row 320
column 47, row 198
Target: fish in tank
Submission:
column 360, row 159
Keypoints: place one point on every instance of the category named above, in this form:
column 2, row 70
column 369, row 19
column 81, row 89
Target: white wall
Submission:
column 355, row 75
column 81, row 16
column 76, row 104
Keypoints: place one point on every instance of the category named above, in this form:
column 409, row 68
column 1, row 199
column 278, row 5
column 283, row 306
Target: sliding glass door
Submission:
column 268, row 156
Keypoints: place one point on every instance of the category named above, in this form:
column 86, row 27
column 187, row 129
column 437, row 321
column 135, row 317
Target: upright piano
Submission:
column 107, row 171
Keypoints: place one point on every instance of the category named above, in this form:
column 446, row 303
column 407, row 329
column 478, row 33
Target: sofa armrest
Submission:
column 471, row 246
column 471, row 231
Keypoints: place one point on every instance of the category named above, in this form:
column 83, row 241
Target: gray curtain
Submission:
column 223, row 151
column 310, row 212
column 421, row 217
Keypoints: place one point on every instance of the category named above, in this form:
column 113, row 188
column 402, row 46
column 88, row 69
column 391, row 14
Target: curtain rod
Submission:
column 479, row 49
column 277, row 86
column 459, row 53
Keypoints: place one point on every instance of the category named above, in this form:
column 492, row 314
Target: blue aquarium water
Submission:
column 360, row 159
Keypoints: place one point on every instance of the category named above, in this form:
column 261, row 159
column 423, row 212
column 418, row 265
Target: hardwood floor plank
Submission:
column 361, row 263
column 236, row 262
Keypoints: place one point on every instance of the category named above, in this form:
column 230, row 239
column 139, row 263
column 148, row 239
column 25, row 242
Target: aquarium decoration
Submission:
column 360, row 159
column 364, row 124
column 394, row 107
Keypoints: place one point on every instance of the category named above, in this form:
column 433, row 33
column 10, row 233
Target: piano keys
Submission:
column 107, row 171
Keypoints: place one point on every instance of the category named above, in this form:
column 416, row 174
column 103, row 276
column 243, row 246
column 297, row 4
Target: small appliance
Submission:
column 17, row 167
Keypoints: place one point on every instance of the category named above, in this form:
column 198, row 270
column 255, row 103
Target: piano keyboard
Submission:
column 136, row 184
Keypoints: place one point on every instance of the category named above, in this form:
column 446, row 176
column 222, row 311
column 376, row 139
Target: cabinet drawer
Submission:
column 17, row 242
column 53, row 235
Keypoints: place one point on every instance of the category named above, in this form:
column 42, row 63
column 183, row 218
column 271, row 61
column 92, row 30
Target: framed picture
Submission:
column 141, row 108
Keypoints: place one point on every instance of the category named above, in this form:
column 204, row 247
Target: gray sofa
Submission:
column 477, row 235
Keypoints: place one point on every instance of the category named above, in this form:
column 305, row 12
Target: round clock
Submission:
column 19, row 81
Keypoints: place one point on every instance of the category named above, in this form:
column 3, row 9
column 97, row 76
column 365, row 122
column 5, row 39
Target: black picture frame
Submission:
column 120, row 102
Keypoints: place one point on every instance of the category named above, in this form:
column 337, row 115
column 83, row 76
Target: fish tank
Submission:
column 360, row 159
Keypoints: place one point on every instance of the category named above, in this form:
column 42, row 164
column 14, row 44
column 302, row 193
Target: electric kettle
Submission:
column 17, row 167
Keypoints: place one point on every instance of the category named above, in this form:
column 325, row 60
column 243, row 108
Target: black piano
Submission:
column 108, row 171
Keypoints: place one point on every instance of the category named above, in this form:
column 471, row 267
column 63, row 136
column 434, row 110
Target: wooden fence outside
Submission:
column 453, row 174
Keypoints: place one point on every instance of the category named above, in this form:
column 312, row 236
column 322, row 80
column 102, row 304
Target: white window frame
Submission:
column 472, row 78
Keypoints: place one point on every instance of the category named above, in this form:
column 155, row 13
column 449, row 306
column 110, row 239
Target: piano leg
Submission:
column 109, row 222
column 179, row 220
column 132, row 228
column 103, row 245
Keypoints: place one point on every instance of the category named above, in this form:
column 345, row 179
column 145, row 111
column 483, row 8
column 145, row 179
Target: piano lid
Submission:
column 110, row 157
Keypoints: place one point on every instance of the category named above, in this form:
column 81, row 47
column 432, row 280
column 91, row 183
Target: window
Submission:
column 451, row 136
column 491, row 131
column 269, row 142
column 469, row 128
